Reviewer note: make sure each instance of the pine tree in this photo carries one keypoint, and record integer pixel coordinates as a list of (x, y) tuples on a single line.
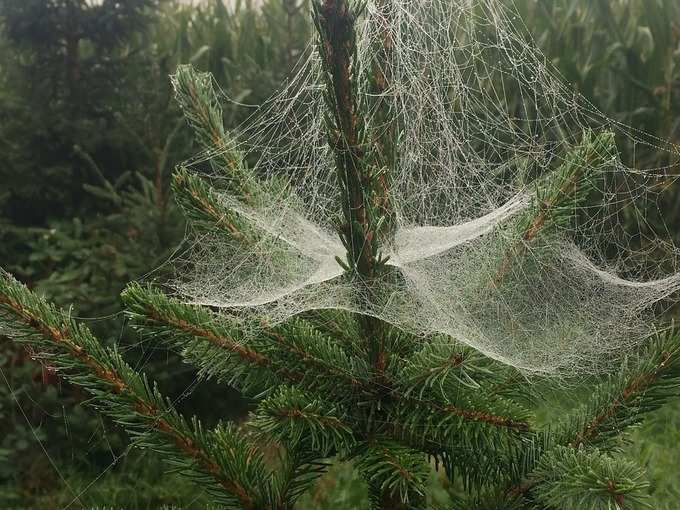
[(335, 385)]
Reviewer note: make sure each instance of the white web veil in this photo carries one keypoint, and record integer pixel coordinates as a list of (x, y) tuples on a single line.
[(482, 119)]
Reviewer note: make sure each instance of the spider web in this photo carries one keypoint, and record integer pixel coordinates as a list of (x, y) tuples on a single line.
[(482, 119)]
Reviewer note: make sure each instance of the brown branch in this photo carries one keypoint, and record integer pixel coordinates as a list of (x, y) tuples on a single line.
[(315, 362), (220, 219), (539, 222), (62, 337), (520, 489), (636, 386), (482, 416), (225, 342), (393, 461), (255, 358), (216, 137), (390, 500)]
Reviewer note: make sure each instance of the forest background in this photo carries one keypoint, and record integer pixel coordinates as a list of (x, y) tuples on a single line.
[(89, 136)]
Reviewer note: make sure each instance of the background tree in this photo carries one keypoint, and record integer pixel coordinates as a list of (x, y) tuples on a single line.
[(69, 60)]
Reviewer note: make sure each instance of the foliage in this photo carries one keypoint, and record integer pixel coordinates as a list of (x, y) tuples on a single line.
[(80, 245), (87, 204)]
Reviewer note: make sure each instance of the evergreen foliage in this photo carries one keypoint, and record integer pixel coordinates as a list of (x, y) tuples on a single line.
[(85, 206), (331, 385)]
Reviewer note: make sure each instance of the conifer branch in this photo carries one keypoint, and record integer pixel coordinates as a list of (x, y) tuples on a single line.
[(300, 469), (473, 443), (485, 417), (623, 400), (443, 367), (356, 387), (470, 409), (205, 340), (294, 351), (300, 420), (313, 349), (446, 383), (558, 195), (589, 480), (565, 477), (201, 203), (396, 474), (217, 458), (291, 351), (316, 363), (476, 456), (210, 211), (196, 96), (446, 421), (337, 324), (620, 402), (330, 359), (360, 183)]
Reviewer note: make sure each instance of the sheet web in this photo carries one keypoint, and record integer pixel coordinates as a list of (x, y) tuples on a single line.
[(484, 124)]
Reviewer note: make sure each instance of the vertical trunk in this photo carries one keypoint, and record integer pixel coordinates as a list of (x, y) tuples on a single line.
[(358, 183), (73, 60), (72, 42)]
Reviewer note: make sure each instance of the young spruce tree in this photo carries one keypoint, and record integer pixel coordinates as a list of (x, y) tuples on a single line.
[(335, 385)]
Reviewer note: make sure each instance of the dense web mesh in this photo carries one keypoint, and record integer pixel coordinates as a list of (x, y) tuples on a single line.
[(483, 122)]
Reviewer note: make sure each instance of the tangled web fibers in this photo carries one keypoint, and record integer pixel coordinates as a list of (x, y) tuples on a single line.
[(484, 252)]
